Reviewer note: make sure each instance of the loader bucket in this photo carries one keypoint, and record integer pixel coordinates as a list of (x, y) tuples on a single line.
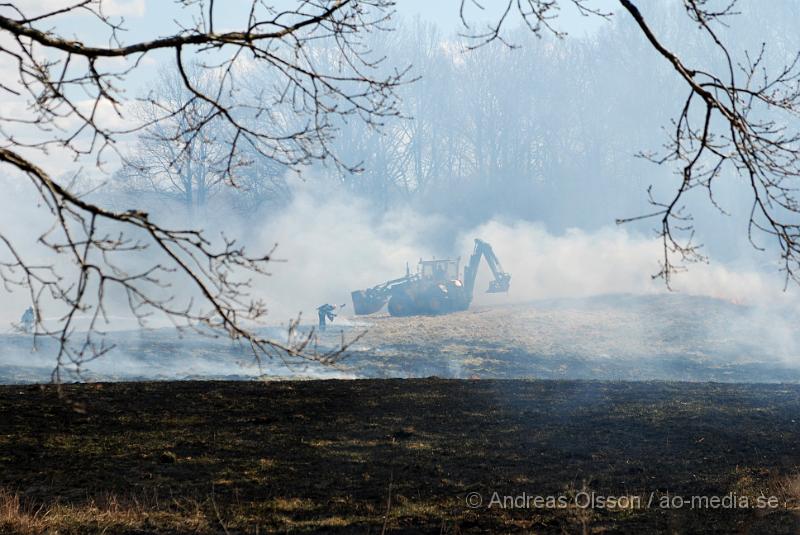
[(365, 302), (500, 285)]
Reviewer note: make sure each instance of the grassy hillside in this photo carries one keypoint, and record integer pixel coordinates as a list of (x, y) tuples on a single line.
[(621, 337)]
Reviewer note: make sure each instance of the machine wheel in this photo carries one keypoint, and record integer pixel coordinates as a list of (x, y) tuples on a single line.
[(438, 300), (401, 305), (459, 299), (436, 304)]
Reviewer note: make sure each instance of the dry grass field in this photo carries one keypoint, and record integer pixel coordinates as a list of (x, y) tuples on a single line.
[(621, 337)]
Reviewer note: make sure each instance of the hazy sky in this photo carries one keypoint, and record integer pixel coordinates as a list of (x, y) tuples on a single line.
[(150, 19)]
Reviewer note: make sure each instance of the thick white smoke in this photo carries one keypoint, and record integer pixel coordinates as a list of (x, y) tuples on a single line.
[(329, 244), (610, 260), (334, 244)]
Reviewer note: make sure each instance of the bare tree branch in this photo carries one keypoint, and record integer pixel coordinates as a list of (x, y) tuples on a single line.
[(100, 245), (747, 127)]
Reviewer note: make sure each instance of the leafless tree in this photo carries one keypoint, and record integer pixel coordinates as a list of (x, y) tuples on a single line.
[(738, 119), (189, 170), (68, 89), (741, 118)]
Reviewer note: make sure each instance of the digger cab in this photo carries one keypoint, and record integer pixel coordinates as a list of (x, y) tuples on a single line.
[(439, 270)]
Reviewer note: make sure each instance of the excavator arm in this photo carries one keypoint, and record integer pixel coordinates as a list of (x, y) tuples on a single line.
[(501, 281)]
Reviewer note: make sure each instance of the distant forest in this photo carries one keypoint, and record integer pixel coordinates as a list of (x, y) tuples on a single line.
[(546, 132)]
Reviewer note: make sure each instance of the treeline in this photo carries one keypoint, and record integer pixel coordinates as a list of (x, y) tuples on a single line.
[(550, 131), (546, 132)]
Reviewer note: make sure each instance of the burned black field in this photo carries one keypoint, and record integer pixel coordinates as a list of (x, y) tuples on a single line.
[(610, 415), (398, 456)]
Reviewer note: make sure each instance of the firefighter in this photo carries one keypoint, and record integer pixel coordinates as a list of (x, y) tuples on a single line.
[(27, 320), (325, 312)]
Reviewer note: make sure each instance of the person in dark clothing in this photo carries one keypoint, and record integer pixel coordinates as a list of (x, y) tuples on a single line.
[(325, 313), (27, 320)]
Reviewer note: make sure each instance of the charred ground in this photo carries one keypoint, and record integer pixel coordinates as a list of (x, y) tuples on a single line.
[(372, 456)]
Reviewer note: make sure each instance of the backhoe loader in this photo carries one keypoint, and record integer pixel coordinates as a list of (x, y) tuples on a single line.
[(435, 288)]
